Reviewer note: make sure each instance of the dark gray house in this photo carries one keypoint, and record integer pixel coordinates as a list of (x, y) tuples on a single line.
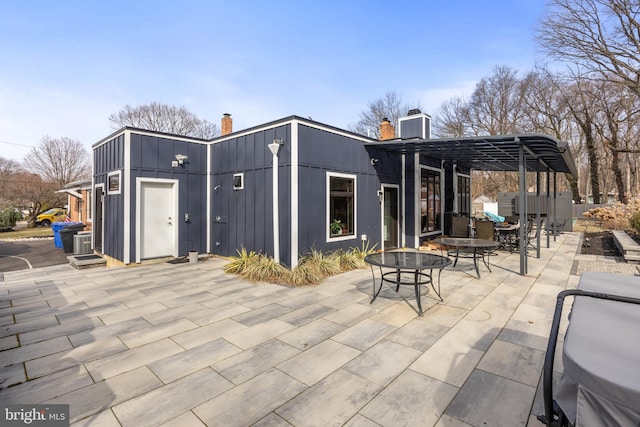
[(282, 188)]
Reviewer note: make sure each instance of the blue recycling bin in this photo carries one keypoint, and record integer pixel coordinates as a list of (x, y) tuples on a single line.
[(56, 227)]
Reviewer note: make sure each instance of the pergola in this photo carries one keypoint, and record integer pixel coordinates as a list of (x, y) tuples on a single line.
[(516, 153)]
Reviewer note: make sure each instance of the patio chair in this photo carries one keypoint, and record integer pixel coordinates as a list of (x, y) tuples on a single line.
[(486, 230), (512, 219), (557, 228), (532, 233), (459, 226)]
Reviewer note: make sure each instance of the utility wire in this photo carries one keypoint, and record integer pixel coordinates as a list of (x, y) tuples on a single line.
[(15, 143)]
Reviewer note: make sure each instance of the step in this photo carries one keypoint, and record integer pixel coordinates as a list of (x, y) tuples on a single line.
[(629, 248), (80, 262)]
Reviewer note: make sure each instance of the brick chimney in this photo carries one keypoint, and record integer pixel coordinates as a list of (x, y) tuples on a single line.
[(387, 131), (227, 124)]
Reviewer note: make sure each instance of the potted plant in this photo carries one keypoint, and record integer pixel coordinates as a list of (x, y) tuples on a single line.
[(336, 227)]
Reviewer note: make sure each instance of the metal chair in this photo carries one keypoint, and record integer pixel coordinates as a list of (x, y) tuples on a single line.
[(486, 230), (459, 226), (557, 228), (532, 233)]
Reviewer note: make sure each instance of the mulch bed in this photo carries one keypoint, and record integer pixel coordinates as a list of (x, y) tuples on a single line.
[(602, 243)]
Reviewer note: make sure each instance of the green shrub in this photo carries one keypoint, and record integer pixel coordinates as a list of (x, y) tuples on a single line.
[(634, 222), (8, 217)]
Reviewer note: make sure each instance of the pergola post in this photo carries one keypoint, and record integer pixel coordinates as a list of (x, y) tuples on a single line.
[(549, 204), (522, 185), (555, 190), (538, 220)]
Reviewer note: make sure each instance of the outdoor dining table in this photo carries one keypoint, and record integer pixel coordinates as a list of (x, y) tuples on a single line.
[(507, 236), (478, 246), (411, 262), (600, 384)]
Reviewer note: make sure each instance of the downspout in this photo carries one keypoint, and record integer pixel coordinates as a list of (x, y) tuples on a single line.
[(275, 147)]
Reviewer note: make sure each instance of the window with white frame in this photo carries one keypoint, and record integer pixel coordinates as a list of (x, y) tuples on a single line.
[(113, 182), (464, 194), (430, 200), (88, 204), (238, 181), (341, 205)]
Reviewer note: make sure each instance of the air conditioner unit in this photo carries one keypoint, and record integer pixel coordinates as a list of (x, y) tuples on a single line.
[(82, 244)]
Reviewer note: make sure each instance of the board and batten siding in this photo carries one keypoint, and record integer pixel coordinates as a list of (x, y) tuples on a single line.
[(151, 157), (108, 156), (244, 218), (323, 151)]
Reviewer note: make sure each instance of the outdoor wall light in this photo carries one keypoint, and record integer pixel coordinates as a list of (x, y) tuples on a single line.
[(181, 158), (374, 161), (275, 145)]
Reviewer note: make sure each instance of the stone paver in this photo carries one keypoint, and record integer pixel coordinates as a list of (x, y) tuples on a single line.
[(188, 345)]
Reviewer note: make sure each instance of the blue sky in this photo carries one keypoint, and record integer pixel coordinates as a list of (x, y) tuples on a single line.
[(65, 66)]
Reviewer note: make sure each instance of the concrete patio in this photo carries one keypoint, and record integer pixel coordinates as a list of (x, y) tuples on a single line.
[(188, 345)]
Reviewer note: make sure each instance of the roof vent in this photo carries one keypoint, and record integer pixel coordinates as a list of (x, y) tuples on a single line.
[(414, 111)]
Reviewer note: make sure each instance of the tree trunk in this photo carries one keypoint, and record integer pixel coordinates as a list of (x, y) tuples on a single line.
[(590, 144), (575, 191), (617, 171)]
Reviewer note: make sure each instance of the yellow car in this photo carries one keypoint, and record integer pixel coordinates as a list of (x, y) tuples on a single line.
[(46, 218)]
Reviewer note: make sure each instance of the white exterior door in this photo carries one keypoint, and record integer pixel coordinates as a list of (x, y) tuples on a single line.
[(157, 210)]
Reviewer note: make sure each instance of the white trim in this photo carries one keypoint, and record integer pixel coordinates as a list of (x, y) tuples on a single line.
[(111, 192), (455, 189), (126, 254), (382, 187), (71, 192), (89, 193), (419, 199), (176, 229), (403, 234), (291, 121), (417, 175), (93, 203), (425, 118), (159, 134), (276, 213), (341, 238), (294, 193), (209, 199), (241, 187)]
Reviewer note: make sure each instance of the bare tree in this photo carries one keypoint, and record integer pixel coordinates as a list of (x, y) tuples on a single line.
[(452, 119), (390, 106), (8, 169), (29, 190), (59, 161), (164, 118), (496, 106), (548, 112), (600, 36)]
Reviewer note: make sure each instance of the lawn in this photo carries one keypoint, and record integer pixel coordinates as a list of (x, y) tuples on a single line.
[(21, 232)]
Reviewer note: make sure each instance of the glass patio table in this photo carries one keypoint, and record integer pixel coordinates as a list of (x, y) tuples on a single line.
[(409, 262), (477, 245)]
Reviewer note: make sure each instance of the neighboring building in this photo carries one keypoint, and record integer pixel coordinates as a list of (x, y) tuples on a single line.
[(79, 202), (160, 195)]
